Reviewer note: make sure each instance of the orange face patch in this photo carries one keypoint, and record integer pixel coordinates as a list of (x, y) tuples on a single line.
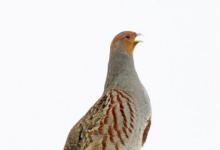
[(129, 47)]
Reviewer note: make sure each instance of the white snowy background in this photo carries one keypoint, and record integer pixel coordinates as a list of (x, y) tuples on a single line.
[(53, 63)]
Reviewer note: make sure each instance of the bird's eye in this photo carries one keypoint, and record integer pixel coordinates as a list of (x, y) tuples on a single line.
[(127, 37)]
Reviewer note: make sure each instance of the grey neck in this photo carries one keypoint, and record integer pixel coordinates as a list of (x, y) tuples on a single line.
[(121, 71)]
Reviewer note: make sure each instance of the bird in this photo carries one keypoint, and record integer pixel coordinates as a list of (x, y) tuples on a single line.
[(121, 118)]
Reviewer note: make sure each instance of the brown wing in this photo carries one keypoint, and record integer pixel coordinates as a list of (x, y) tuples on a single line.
[(111, 120), (146, 130)]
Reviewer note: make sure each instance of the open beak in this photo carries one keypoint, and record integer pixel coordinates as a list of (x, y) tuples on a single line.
[(136, 41)]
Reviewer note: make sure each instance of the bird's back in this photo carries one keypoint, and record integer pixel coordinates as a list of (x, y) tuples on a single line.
[(109, 125)]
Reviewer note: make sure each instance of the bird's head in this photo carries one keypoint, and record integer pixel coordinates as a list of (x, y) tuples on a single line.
[(125, 41)]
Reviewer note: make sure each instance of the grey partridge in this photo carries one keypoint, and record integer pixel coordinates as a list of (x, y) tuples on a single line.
[(121, 118)]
